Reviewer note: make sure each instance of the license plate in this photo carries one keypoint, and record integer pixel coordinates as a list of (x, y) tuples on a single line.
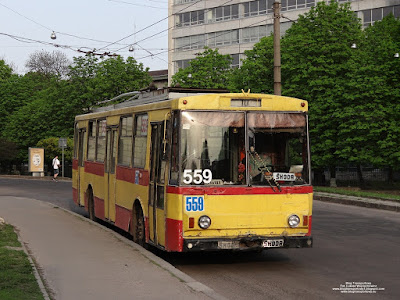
[(228, 244), (273, 243), (284, 176)]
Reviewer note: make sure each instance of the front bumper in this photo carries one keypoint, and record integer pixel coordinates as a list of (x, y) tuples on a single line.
[(245, 243)]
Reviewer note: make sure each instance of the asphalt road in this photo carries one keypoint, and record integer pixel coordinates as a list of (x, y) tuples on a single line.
[(351, 244)]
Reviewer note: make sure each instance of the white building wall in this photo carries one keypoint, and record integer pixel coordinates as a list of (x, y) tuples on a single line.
[(239, 24)]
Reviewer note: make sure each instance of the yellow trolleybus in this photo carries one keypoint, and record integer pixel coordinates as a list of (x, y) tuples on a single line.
[(184, 170)]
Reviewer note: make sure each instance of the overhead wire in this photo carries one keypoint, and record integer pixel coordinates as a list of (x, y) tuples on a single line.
[(222, 33), (41, 25), (142, 5), (135, 43), (79, 49), (151, 25)]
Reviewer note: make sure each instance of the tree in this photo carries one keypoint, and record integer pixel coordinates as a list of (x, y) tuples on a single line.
[(51, 148), (16, 91), (8, 153), (48, 63), (209, 69), (256, 72), (371, 133), (93, 80), (5, 71), (115, 76), (49, 113), (318, 65)]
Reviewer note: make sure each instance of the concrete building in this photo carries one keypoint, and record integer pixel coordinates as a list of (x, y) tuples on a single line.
[(234, 26), (160, 78)]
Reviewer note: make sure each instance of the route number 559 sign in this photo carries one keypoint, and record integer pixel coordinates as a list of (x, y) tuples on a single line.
[(197, 176)]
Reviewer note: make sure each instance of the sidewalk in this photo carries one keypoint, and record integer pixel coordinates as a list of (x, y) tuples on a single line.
[(358, 201), (80, 259)]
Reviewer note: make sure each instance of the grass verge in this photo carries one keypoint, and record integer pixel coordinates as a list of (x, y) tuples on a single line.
[(386, 195), (17, 280)]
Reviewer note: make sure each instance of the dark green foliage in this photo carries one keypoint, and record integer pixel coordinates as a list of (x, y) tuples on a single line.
[(35, 107), (353, 94), (94, 80), (209, 70), (256, 72), (317, 65), (5, 70), (51, 149)]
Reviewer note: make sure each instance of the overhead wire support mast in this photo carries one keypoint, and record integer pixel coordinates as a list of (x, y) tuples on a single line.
[(277, 50)]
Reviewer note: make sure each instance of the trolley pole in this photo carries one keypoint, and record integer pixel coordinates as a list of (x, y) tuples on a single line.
[(277, 49)]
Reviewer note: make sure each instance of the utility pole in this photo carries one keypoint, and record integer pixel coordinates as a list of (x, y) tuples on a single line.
[(277, 49)]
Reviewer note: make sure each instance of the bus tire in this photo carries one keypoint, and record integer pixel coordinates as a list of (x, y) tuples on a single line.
[(90, 198), (138, 226)]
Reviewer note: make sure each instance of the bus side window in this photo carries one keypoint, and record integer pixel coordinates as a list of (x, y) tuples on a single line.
[(174, 149), (140, 140), (91, 151), (125, 141), (101, 141)]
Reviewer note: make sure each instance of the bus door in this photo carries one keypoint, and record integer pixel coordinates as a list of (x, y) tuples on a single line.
[(157, 185), (110, 176), (81, 166)]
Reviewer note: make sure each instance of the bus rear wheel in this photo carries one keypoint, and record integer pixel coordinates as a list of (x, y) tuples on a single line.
[(90, 198), (138, 228)]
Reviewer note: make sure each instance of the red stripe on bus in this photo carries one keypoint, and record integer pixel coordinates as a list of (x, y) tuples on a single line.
[(231, 190), (309, 226), (99, 208), (75, 195), (95, 168), (75, 164), (133, 175), (122, 217), (173, 235)]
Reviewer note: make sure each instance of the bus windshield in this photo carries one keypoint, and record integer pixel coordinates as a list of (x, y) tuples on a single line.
[(213, 148), (211, 143), (278, 149)]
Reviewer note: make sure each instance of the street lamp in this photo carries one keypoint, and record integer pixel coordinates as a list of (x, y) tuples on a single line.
[(53, 35), (396, 55)]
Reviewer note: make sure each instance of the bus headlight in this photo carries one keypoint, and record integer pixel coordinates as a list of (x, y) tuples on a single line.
[(204, 222), (294, 221)]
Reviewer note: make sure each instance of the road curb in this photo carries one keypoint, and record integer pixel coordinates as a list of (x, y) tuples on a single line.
[(191, 283), (35, 270), (380, 204)]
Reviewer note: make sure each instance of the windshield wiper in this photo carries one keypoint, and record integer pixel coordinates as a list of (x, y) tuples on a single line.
[(264, 169)]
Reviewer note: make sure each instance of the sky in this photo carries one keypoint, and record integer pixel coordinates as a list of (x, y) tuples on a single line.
[(105, 25)]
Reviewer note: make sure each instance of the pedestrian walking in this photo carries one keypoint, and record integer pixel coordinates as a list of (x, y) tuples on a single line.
[(56, 166)]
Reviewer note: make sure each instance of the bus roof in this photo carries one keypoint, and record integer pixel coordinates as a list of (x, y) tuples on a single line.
[(203, 99)]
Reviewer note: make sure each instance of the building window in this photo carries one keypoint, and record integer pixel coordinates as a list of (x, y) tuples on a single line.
[(254, 34), (235, 60), (190, 18), (223, 13), (190, 42), (370, 16), (183, 1), (125, 141), (182, 64), (140, 140), (101, 141), (296, 4), (221, 38)]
